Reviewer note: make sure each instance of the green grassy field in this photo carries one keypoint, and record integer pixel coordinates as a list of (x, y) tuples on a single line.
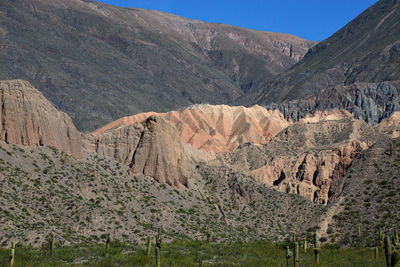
[(183, 253)]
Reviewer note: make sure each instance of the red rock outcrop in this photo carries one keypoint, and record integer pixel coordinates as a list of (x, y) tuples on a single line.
[(29, 119), (309, 175), (216, 128)]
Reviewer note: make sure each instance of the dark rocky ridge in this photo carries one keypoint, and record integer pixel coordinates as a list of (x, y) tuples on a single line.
[(371, 102), (99, 62)]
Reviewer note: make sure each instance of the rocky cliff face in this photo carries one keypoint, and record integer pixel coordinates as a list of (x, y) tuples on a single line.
[(371, 102), (216, 128), (305, 159), (152, 148), (29, 119)]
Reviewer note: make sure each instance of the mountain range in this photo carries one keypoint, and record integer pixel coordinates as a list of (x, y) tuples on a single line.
[(145, 172), (356, 69), (120, 120), (99, 62)]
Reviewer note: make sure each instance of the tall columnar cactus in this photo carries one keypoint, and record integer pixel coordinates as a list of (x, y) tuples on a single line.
[(395, 259), (392, 256), (296, 255), (381, 237), (208, 236), (388, 251), (51, 243), (148, 250), (108, 241), (376, 252), (294, 237), (158, 238), (158, 257), (359, 231), (288, 255), (396, 239), (317, 249), (12, 254), (305, 244)]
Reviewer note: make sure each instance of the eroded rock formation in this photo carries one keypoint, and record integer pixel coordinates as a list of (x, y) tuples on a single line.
[(216, 128), (305, 159), (152, 148), (371, 102), (309, 175), (29, 119)]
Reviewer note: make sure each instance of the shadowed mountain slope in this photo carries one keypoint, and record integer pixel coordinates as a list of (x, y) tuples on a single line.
[(99, 62), (367, 197)]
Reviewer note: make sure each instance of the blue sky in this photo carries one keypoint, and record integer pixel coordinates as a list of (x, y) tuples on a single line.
[(309, 19)]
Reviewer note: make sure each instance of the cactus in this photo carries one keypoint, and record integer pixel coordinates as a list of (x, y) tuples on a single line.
[(12, 254), (395, 258), (359, 231), (388, 251), (305, 244), (51, 243), (158, 257), (396, 239), (294, 237), (381, 237), (317, 250), (158, 238), (108, 241), (288, 255), (148, 250), (296, 255), (208, 236), (376, 252)]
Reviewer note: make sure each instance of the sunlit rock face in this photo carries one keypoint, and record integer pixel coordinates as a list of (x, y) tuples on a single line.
[(29, 119), (216, 128)]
